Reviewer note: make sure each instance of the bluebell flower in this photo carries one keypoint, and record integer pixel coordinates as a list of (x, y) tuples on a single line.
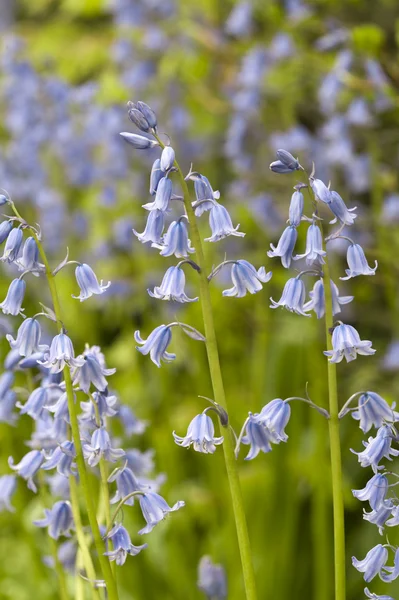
[(28, 338), (5, 229), (172, 287), (156, 344), (28, 466), (67, 552), (147, 113), (317, 300), (167, 158), (321, 191), (375, 596), (6, 381), (392, 572), (379, 516), (131, 424), (296, 208), (156, 176), (12, 359), (33, 361), (293, 297), (8, 485), (275, 416), (212, 579), (163, 196), (314, 247), (126, 483), (122, 545), (153, 229), (338, 207), (204, 194), (239, 24), (246, 278), (88, 282), (346, 343), (373, 410), (105, 408), (357, 263), (59, 520), (375, 491), (372, 564), (285, 246), (200, 434), (221, 224), (12, 246), (175, 240), (59, 486), (141, 463), (62, 458), (257, 436), (286, 163), (155, 509), (61, 354), (12, 303), (377, 448), (29, 261), (91, 372), (394, 521), (35, 404), (7, 405), (100, 447), (138, 141), (59, 406)]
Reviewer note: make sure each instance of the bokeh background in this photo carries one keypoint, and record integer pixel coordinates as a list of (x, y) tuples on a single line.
[(231, 83)]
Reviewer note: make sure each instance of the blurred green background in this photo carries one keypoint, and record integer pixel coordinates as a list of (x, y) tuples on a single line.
[(319, 79)]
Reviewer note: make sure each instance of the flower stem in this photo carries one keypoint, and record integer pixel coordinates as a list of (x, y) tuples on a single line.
[(219, 396), (73, 415), (335, 450)]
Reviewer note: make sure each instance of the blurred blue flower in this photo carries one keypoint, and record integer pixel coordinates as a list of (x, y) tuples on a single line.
[(285, 246), (8, 484), (59, 520), (12, 303), (155, 509), (172, 287), (201, 434), (156, 344), (374, 491), (35, 404), (293, 297), (373, 410), (357, 263), (122, 545), (346, 343), (88, 282), (28, 466), (212, 579), (239, 21)]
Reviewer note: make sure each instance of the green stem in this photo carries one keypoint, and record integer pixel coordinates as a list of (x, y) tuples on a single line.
[(73, 415), (219, 395), (335, 450), (63, 591)]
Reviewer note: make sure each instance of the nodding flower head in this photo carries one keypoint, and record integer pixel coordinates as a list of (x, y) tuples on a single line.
[(8, 484), (172, 287), (12, 246), (5, 229), (285, 246), (88, 282), (100, 447), (156, 176), (338, 207), (92, 372), (12, 303), (221, 224), (377, 448), (296, 208), (375, 491), (293, 297), (286, 163), (200, 434), (163, 196), (61, 354), (153, 229), (380, 516), (204, 194), (126, 483), (376, 596), (372, 564), (156, 344), (212, 579), (321, 191), (62, 458), (347, 344), (121, 544), (257, 437), (373, 411), (317, 300), (275, 416), (35, 404), (28, 338), (246, 278), (314, 247), (59, 520), (155, 509), (175, 240), (29, 261), (357, 263), (28, 466)]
